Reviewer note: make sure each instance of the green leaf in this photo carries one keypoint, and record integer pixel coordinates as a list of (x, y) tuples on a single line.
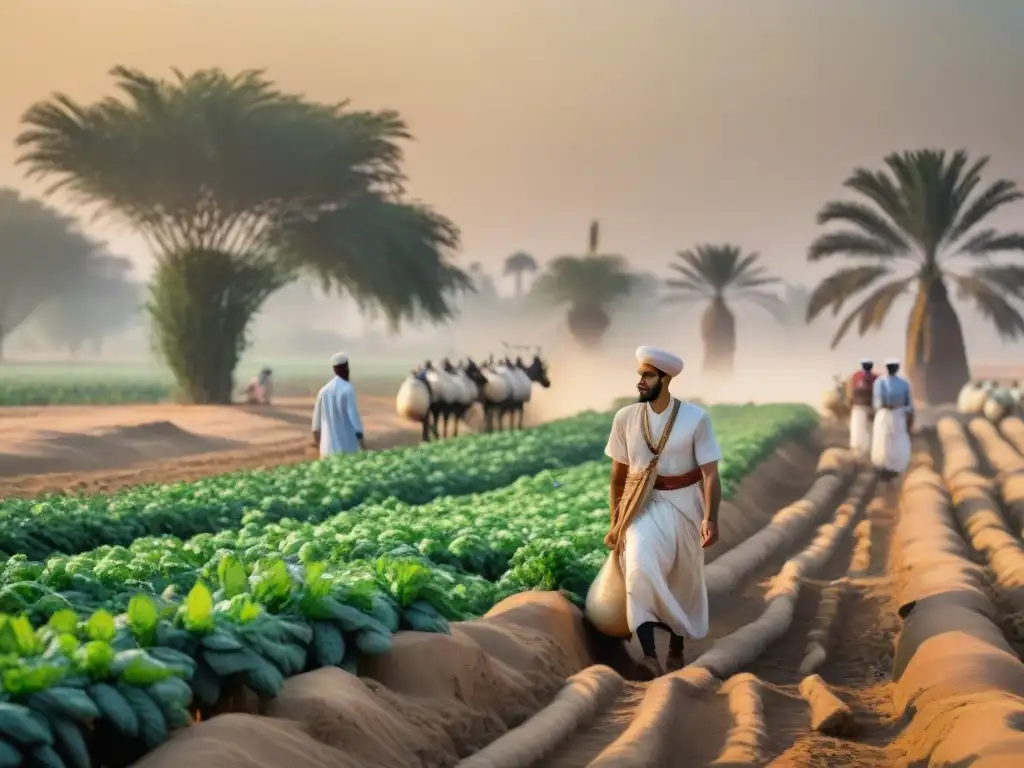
[(232, 575), (31, 678), (95, 657), (100, 626), (64, 621), (64, 643), (24, 636), (199, 609), (142, 615), (136, 667)]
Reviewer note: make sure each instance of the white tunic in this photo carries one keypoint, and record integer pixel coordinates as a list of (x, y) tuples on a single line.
[(336, 417), (663, 559), (890, 443), (860, 430)]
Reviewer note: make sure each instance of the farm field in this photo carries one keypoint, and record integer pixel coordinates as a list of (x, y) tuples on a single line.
[(83, 383), (283, 616)]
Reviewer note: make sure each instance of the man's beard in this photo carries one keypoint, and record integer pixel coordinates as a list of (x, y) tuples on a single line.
[(651, 394)]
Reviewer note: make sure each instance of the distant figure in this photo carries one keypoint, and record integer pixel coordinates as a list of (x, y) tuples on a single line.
[(337, 427), (261, 388), (894, 419), (860, 395)]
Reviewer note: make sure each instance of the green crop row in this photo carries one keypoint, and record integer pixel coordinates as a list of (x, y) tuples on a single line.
[(22, 393), (492, 535), (309, 491), (289, 596)]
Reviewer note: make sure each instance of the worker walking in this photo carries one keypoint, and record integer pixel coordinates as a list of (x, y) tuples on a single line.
[(337, 427)]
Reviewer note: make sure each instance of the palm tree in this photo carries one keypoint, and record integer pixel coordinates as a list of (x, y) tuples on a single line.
[(589, 285), (921, 210), (713, 273), (42, 252), (239, 188), (517, 265)]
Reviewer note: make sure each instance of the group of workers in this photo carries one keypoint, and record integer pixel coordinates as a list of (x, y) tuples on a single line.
[(881, 417)]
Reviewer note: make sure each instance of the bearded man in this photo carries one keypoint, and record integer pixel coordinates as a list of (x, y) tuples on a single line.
[(665, 494)]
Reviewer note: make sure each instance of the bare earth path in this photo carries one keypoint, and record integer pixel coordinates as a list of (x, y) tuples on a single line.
[(102, 448)]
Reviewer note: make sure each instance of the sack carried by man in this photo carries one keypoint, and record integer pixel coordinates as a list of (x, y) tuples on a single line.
[(606, 598)]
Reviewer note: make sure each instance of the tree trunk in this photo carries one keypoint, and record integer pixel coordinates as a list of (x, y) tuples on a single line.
[(588, 323), (718, 330), (519, 283), (936, 363), (201, 303)]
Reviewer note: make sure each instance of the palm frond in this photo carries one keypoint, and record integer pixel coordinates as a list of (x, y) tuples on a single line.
[(866, 220), (840, 286), (992, 305), (714, 270), (849, 243), (1004, 278), (878, 188), (871, 312), (988, 242), (998, 194)]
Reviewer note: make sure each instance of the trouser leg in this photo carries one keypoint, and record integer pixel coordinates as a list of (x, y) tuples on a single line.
[(645, 635)]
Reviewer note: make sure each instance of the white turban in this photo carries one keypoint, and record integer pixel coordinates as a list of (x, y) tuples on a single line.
[(339, 358), (892, 361), (866, 361), (660, 359)]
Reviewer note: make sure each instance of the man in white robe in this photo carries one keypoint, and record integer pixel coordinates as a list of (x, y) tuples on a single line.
[(662, 552), (859, 394), (894, 418), (337, 427)]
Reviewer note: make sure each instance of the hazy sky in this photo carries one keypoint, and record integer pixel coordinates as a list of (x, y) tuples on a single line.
[(672, 121)]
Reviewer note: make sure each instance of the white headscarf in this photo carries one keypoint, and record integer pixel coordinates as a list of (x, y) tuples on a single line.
[(339, 358), (665, 362)]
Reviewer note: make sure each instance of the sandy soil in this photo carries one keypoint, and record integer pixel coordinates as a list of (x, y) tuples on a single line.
[(99, 448)]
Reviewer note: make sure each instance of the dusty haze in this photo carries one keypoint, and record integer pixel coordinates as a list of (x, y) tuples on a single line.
[(673, 122)]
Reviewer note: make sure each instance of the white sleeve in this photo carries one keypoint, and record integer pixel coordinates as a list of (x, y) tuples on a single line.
[(317, 410), (353, 411), (616, 448), (705, 445)]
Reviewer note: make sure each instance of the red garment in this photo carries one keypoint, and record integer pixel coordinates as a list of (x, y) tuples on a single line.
[(862, 386)]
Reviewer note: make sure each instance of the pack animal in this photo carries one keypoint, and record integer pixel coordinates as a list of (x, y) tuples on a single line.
[(505, 387), (436, 397)]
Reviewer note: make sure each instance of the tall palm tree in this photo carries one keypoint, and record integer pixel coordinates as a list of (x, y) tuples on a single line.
[(923, 210), (714, 273), (589, 285), (239, 188), (517, 265)]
